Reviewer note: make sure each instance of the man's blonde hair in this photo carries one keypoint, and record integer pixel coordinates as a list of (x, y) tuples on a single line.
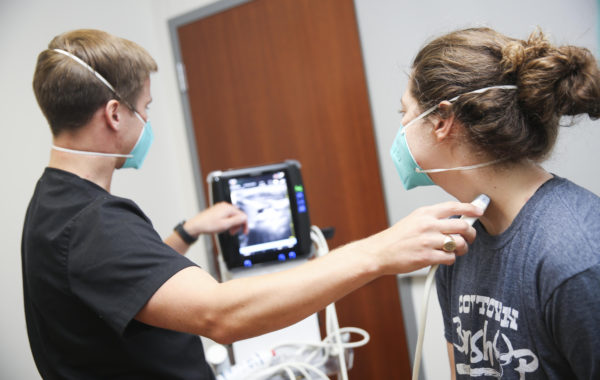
[(69, 94)]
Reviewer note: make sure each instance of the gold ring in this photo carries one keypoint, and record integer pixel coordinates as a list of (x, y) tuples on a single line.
[(449, 244)]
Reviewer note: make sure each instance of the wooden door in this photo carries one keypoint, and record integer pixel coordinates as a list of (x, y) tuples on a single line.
[(271, 80)]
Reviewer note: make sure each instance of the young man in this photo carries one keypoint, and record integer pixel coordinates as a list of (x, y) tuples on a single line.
[(104, 296)]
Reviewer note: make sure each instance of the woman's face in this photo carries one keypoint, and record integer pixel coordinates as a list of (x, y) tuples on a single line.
[(419, 134), (409, 107)]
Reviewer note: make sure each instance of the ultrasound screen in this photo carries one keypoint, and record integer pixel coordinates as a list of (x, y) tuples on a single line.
[(266, 202)]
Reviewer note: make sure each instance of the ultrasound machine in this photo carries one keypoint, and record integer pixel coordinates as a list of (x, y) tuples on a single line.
[(279, 237), (273, 198)]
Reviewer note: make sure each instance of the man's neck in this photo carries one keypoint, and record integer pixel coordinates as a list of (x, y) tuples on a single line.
[(95, 169)]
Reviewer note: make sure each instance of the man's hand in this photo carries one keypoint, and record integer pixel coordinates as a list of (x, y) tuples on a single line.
[(416, 241), (218, 218)]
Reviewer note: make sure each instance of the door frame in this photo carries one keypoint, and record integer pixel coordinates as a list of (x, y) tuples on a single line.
[(174, 24)]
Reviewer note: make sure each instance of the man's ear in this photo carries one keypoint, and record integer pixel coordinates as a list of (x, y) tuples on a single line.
[(444, 124), (111, 114)]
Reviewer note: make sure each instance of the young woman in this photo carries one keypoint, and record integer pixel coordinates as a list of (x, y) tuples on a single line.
[(481, 111)]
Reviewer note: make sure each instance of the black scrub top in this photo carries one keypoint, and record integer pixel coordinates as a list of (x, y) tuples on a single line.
[(90, 262)]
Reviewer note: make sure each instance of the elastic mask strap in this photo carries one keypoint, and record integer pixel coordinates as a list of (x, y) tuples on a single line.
[(82, 63), (403, 130), (479, 91), (96, 74), (140, 118), (477, 166), (86, 153), (500, 87)]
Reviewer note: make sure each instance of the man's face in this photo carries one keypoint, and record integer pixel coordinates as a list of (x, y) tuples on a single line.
[(144, 100), (135, 120)]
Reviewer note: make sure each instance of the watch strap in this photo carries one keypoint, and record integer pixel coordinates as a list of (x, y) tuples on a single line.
[(185, 236)]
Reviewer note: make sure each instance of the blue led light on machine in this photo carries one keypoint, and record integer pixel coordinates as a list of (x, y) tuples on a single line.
[(300, 201)]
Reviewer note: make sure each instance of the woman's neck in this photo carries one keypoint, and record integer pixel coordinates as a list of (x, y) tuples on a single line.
[(508, 188)]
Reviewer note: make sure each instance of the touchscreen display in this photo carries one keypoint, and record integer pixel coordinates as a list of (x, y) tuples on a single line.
[(266, 202)]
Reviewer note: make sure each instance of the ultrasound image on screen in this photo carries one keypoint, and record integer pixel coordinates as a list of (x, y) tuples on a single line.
[(265, 200)]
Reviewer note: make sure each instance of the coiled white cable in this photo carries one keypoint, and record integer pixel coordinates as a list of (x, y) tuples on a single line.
[(309, 358), (331, 320), (423, 321)]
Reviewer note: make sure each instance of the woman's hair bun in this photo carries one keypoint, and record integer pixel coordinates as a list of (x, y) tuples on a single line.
[(516, 53), (552, 81), (578, 89), (513, 56)]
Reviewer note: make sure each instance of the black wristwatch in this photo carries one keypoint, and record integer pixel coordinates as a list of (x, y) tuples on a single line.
[(189, 239)]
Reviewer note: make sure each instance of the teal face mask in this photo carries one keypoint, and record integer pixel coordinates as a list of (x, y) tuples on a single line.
[(406, 165), (138, 154)]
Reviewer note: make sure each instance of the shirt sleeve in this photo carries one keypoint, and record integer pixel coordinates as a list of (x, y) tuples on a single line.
[(117, 261), (572, 315), (441, 285)]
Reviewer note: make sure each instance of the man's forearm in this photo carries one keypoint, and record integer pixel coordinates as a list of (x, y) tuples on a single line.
[(256, 305)]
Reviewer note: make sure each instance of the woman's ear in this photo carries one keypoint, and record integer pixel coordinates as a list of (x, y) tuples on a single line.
[(111, 114), (443, 125)]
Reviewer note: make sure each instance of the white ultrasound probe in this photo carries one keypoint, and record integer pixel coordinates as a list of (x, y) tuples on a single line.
[(482, 201)]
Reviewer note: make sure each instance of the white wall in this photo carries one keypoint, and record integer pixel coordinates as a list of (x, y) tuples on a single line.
[(391, 32)]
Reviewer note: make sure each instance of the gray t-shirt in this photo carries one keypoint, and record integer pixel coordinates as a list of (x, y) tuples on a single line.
[(524, 304)]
